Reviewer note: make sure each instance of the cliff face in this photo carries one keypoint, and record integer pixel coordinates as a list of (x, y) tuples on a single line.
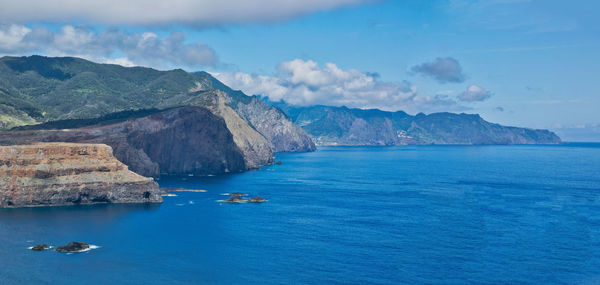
[(448, 128), (48, 174), (343, 126), (271, 122), (275, 126), (256, 148), (40, 89), (178, 141)]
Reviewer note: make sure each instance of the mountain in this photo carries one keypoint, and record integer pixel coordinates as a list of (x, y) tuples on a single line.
[(270, 121), (180, 141), (344, 126), (39, 89)]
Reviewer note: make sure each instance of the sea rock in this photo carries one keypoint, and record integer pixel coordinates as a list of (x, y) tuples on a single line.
[(233, 199), (236, 197), (256, 199), (40, 247), (73, 246), (48, 174)]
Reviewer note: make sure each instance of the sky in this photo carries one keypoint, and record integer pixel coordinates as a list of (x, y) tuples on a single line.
[(528, 63)]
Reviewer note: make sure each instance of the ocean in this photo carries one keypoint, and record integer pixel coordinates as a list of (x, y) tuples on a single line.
[(341, 215)]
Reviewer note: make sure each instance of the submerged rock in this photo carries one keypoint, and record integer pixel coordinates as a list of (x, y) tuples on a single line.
[(236, 197), (40, 247), (256, 199), (233, 199), (73, 246), (166, 190)]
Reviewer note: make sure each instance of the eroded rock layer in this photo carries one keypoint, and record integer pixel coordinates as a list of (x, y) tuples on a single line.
[(48, 174), (185, 141)]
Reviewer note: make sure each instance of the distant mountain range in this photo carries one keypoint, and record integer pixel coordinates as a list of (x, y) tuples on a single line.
[(72, 99), (344, 126)]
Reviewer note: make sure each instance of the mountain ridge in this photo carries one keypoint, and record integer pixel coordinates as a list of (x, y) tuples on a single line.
[(38, 89), (351, 126)]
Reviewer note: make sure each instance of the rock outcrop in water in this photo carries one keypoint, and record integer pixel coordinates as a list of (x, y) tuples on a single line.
[(179, 141), (74, 246), (236, 197), (49, 174), (40, 247)]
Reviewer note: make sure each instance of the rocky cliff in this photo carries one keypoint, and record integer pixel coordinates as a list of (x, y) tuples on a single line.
[(271, 122), (64, 174), (38, 89), (344, 126), (178, 141)]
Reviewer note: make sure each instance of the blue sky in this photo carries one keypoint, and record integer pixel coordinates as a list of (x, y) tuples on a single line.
[(531, 63)]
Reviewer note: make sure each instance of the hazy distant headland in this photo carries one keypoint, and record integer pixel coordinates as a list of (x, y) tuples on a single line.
[(345, 126)]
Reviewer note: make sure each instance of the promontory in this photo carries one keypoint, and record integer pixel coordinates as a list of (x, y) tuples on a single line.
[(50, 174)]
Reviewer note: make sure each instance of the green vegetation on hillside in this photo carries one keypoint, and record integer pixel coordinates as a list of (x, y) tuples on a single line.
[(40, 89), (344, 126)]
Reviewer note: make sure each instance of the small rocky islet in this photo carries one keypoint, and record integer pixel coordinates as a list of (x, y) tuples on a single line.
[(40, 247), (237, 197), (74, 246)]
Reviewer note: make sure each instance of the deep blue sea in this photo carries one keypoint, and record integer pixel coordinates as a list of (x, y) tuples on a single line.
[(341, 215)]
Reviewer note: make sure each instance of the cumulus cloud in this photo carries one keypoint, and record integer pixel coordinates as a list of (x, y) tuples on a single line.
[(443, 70), (151, 12), (111, 46), (474, 93), (301, 82)]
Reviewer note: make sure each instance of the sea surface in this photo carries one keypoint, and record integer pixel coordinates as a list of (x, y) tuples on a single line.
[(341, 215)]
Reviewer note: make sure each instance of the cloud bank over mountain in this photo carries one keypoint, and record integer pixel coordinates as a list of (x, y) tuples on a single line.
[(305, 82), (157, 12), (109, 46)]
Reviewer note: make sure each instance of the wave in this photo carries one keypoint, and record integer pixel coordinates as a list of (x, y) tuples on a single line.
[(92, 247)]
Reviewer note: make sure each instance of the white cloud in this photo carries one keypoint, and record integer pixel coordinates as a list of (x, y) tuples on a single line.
[(111, 46), (474, 93), (150, 12), (300, 82), (123, 61), (12, 35)]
